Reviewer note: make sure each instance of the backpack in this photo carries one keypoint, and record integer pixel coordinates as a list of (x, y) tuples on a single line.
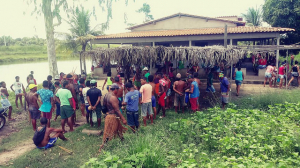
[(39, 136)]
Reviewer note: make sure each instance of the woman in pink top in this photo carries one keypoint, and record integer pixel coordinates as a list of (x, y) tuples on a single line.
[(268, 74), (281, 72)]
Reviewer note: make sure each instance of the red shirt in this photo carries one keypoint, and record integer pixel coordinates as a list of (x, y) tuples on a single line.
[(281, 70), (262, 62)]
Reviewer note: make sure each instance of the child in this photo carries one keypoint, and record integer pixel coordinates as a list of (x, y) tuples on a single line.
[(57, 103), (18, 86)]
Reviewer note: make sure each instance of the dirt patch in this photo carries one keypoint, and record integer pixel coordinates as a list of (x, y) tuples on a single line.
[(6, 156)]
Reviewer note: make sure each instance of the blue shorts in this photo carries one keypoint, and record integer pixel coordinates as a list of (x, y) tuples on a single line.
[(238, 82), (87, 108), (268, 75), (57, 108), (132, 118), (153, 100), (50, 143)]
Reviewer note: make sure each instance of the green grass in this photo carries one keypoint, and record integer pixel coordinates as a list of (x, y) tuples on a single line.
[(154, 145)]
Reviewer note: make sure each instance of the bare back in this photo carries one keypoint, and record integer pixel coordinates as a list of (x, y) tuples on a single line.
[(153, 88), (120, 91), (32, 100), (180, 86), (71, 88), (46, 137)]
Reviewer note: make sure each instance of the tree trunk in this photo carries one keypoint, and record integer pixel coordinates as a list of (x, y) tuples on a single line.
[(48, 18)]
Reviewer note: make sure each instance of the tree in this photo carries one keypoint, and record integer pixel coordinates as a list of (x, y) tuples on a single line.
[(284, 13), (253, 16), (51, 10), (146, 10)]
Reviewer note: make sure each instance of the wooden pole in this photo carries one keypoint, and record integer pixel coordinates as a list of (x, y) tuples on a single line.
[(84, 64), (225, 36), (286, 70), (151, 59), (277, 52)]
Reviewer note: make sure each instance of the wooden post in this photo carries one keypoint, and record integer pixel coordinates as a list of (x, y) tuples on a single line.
[(230, 41), (277, 52), (225, 36), (286, 70), (80, 63), (190, 43), (151, 60), (108, 45), (84, 65)]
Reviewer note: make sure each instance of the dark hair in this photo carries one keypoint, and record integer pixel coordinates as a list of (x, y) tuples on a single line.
[(43, 120), (45, 83), (171, 64), (31, 75), (61, 73), (81, 80), (109, 73), (49, 77), (128, 85), (69, 76), (1, 83), (150, 78), (117, 79), (239, 68), (56, 83), (195, 75), (144, 78), (93, 84), (296, 62), (65, 83), (88, 83), (17, 77)]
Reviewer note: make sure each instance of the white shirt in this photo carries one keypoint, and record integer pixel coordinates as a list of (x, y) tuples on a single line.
[(18, 85), (84, 91)]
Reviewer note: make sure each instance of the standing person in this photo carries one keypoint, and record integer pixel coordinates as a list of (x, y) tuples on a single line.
[(168, 92), (146, 92), (282, 73), (295, 73), (93, 96), (178, 88), (137, 78), (210, 86), (194, 94), (66, 106), (30, 80), (57, 103), (42, 138), (153, 99), (225, 88), (292, 59), (120, 70), (51, 86), (108, 81), (81, 99), (4, 99), (199, 84), (112, 125), (120, 91), (239, 77), (61, 78), (84, 92), (47, 101), (161, 95), (71, 87), (132, 106), (18, 86), (146, 73), (33, 107), (268, 74)]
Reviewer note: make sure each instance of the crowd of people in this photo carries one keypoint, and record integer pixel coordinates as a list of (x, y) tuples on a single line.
[(146, 95)]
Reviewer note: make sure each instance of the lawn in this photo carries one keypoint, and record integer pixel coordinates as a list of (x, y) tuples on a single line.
[(257, 131)]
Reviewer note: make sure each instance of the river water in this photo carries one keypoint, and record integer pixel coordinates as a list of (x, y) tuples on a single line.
[(40, 69)]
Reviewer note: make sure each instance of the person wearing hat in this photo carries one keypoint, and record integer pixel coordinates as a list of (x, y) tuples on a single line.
[(64, 96), (33, 107), (47, 101), (178, 88), (93, 96), (113, 126), (225, 88), (282, 73), (145, 70)]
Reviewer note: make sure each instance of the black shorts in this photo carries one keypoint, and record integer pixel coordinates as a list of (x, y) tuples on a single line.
[(122, 75), (34, 113)]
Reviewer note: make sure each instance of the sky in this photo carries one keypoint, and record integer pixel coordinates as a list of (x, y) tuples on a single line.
[(17, 20)]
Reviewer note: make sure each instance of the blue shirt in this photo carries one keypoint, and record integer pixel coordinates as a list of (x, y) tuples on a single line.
[(196, 92), (132, 100), (224, 84), (45, 95)]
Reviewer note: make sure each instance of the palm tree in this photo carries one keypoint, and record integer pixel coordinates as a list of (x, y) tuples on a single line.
[(253, 16)]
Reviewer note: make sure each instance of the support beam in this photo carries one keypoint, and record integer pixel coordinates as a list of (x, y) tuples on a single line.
[(225, 36), (84, 64), (230, 41), (277, 52), (153, 44), (190, 43), (108, 45), (80, 60)]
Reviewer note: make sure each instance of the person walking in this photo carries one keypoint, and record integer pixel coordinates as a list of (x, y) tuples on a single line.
[(239, 77), (295, 73)]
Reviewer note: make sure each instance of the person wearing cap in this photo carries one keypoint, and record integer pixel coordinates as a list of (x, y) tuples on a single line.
[(132, 98), (64, 97), (146, 107), (145, 70), (33, 107), (93, 97), (282, 73), (4, 99), (178, 88), (71, 87), (120, 91), (113, 126), (225, 88), (47, 101)]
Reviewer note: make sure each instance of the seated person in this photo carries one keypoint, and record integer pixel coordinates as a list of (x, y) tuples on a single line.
[(42, 138), (262, 63)]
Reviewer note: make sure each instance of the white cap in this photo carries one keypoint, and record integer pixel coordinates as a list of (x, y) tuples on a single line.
[(145, 69)]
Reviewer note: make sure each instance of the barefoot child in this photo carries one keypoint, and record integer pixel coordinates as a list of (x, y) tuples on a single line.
[(18, 87)]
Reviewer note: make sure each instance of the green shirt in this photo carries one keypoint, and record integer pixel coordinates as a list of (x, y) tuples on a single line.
[(146, 76), (64, 95)]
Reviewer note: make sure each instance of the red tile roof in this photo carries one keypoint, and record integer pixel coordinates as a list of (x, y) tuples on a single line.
[(193, 32)]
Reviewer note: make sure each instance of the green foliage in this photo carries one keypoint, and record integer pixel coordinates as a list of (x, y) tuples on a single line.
[(284, 13), (253, 16), (146, 10)]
